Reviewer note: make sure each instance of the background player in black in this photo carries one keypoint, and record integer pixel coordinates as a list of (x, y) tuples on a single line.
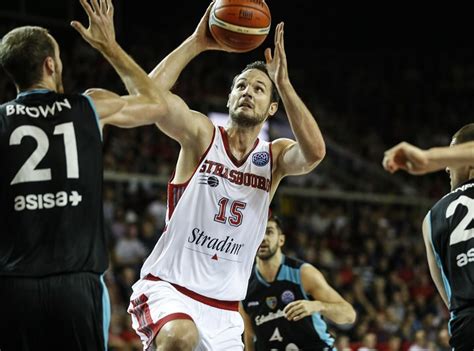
[(52, 243), (448, 231), (287, 300)]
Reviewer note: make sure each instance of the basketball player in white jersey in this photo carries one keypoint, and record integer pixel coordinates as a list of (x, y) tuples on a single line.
[(218, 201)]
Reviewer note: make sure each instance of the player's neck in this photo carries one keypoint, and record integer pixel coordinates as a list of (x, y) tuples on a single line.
[(268, 269), (241, 139), (43, 85)]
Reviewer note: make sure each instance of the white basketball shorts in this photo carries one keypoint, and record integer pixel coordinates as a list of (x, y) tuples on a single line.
[(155, 302)]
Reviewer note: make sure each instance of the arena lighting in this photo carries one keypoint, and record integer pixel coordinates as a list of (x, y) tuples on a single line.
[(220, 119)]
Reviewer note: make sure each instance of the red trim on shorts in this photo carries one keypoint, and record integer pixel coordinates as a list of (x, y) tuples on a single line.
[(171, 317), (222, 304), (141, 311), (236, 162), (146, 326), (175, 191)]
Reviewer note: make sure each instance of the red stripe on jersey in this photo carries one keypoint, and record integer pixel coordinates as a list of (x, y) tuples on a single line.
[(222, 304), (175, 191), (174, 194), (271, 166)]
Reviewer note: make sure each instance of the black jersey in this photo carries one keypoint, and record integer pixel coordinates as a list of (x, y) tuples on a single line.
[(265, 302), (451, 222), (50, 186)]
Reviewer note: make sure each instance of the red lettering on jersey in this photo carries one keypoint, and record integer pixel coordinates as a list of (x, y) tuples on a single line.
[(234, 176)]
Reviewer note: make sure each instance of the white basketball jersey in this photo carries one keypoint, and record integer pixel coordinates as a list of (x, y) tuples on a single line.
[(215, 222)]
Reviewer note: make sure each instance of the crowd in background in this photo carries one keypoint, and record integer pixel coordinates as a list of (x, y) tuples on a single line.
[(371, 253)]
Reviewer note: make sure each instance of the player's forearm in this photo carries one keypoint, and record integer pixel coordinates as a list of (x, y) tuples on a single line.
[(303, 124), (338, 312), (166, 73), (248, 342), (132, 75), (453, 156)]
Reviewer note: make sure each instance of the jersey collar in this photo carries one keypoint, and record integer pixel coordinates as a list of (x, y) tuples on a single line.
[(33, 91)]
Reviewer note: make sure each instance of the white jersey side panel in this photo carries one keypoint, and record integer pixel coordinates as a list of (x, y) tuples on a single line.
[(214, 230)]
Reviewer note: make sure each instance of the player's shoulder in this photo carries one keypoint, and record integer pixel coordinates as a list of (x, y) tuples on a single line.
[(293, 262), (98, 94), (7, 103), (74, 98), (63, 99), (280, 144), (466, 189)]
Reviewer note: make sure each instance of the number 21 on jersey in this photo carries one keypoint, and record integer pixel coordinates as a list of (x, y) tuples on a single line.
[(29, 171), (461, 233)]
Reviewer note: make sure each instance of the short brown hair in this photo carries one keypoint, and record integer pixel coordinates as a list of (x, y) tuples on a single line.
[(22, 53), (261, 66), (274, 218)]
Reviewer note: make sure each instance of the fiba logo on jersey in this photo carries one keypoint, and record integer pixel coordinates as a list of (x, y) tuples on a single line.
[(287, 296), (260, 159)]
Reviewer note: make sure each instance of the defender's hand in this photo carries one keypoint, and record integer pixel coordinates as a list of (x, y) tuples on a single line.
[(406, 157), (101, 31), (299, 309)]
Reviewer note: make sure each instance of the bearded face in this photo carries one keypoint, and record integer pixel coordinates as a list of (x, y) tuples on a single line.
[(250, 99), (272, 241)]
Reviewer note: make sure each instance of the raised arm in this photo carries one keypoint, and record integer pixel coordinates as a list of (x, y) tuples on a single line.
[(304, 154), (182, 124), (249, 333), (166, 73), (148, 103), (407, 157), (432, 262), (327, 301)]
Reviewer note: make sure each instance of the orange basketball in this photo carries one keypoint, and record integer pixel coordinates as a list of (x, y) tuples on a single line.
[(241, 25)]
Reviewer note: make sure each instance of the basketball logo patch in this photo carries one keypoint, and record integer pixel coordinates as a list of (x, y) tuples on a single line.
[(287, 296), (212, 181), (260, 158)]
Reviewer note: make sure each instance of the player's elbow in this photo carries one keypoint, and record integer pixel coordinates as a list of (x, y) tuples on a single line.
[(350, 316), (320, 152), (316, 155), (346, 316)]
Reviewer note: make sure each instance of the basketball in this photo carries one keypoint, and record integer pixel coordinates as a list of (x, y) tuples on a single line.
[(240, 25)]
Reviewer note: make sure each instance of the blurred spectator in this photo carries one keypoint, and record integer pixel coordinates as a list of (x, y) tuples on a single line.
[(443, 340), (420, 343), (369, 343), (129, 249), (342, 343)]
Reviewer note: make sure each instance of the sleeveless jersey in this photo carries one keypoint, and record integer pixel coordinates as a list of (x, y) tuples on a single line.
[(50, 186), (265, 303), (451, 222), (215, 222)]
